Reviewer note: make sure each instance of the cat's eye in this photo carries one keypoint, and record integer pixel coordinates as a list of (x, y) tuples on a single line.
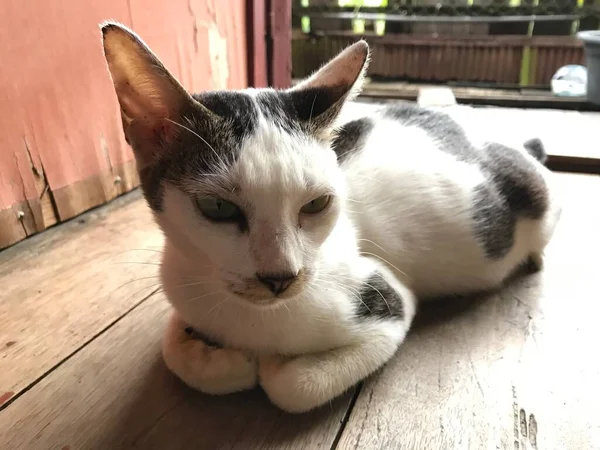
[(218, 209), (317, 205)]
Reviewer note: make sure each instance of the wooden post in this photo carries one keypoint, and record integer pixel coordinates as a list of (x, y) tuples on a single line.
[(279, 43), (256, 14)]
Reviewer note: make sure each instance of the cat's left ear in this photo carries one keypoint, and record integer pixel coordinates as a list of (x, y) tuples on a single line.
[(319, 98), (152, 101)]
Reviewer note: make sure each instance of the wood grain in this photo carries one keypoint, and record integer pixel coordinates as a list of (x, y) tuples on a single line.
[(61, 288), (514, 370), (117, 394)]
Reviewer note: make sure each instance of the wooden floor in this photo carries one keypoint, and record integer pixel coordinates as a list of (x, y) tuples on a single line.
[(80, 364)]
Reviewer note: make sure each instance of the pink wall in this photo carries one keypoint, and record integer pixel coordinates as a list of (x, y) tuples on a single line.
[(62, 149)]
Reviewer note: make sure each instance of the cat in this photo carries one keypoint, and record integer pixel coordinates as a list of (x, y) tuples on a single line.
[(300, 245)]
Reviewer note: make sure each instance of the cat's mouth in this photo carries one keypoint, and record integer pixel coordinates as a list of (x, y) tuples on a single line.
[(259, 293)]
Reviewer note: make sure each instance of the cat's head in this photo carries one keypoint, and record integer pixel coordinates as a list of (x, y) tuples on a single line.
[(243, 183)]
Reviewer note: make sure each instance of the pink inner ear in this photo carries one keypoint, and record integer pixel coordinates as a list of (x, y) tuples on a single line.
[(343, 70), (151, 138), (137, 106)]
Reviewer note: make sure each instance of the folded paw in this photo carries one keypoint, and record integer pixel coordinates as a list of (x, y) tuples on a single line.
[(206, 368), (293, 385)]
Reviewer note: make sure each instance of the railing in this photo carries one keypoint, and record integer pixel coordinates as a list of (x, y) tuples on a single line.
[(468, 41)]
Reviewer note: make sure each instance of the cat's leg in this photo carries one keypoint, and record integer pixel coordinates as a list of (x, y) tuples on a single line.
[(203, 367), (304, 382)]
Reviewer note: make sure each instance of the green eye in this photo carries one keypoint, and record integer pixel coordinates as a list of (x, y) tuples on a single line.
[(317, 205), (218, 210)]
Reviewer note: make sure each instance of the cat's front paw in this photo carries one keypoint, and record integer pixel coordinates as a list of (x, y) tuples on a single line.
[(206, 368), (290, 384), (212, 370)]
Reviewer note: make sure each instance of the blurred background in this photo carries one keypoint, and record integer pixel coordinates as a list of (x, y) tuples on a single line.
[(486, 43), (63, 152)]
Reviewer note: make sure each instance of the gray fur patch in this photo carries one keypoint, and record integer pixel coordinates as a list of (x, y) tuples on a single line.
[(517, 180), (351, 137), (535, 148), (514, 188), (308, 110), (190, 157), (379, 300), (494, 222), (439, 126)]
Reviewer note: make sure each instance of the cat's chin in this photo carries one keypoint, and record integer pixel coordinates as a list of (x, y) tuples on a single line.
[(262, 301)]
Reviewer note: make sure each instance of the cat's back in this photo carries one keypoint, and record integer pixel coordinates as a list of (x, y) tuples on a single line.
[(446, 208)]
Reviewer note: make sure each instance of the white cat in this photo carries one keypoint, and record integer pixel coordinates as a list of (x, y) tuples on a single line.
[(277, 224)]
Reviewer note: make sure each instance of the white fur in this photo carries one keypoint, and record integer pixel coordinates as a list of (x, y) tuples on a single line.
[(413, 203), (400, 201), (408, 202), (201, 258)]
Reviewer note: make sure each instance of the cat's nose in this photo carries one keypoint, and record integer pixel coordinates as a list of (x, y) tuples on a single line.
[(277, 283)]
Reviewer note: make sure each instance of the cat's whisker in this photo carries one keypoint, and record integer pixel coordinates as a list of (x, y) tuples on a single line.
[(387, 262), (138, 262), (375, 244), (193, 299), (217, 306), (345, 290), (140, 250), (311, 109), (355, 201), (156, 288), (382, 297), (199, 137), (132, 281), (198, 283)]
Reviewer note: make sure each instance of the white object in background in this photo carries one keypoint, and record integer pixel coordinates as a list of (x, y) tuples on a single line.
[(570, 81), (436, 96)]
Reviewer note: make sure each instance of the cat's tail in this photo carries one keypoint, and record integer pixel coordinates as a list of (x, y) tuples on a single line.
[(535, 148)]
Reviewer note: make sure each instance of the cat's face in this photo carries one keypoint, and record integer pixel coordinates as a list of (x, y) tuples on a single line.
[(259, 217), (244, 184)]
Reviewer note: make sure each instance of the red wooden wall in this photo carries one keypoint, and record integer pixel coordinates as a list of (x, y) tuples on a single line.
[(61, 146)]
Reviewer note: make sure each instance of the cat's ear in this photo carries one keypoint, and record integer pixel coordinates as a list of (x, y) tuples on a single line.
[(151, 99), (319, 98)]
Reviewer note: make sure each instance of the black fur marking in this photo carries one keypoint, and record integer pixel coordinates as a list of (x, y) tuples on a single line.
[(278, 109), (379, 300), (351, 138), (439, 126), (494, 222), (307, 110), (189, 157), (535, 148), (517, 180), (514, 188), (312, 103)]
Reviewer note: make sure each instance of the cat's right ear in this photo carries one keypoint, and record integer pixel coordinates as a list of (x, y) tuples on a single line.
[(152, 101), (319, 98)]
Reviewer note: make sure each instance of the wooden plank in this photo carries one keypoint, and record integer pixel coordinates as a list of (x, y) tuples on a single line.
[(480, 96), (117, 394), (61, 288), (513, 370), (94, 191)]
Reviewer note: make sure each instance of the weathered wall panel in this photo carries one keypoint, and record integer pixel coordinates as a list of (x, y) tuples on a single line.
[(61, 145)]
